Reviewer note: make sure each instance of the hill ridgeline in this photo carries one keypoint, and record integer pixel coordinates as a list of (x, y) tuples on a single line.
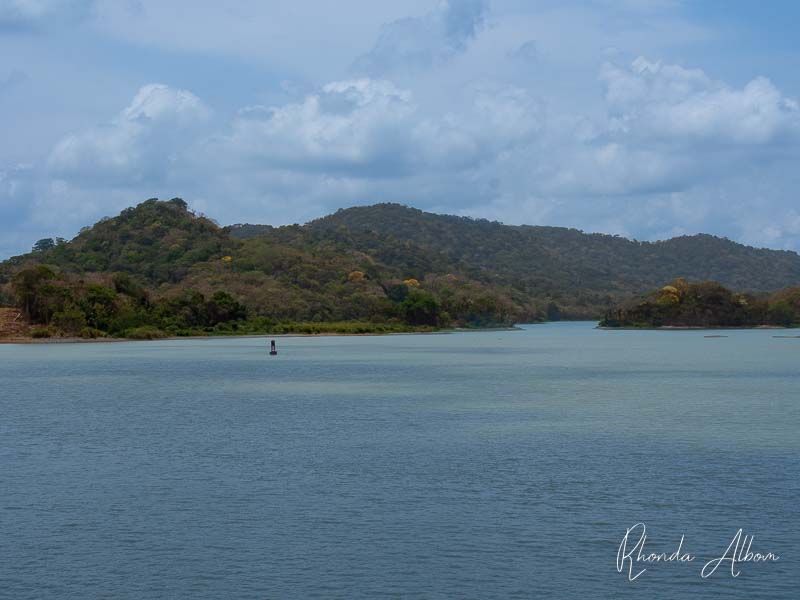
[(160, 267)]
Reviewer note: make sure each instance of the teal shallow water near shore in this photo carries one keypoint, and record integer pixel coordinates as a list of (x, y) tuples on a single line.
[(502, 464)]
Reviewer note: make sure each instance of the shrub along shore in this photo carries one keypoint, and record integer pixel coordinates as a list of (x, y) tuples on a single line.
[(285, 330)]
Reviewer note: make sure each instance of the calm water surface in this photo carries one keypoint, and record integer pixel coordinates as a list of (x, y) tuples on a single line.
[(472, 465)]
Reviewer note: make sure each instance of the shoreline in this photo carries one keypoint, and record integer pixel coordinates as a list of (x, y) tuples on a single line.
[(692, 328), (107, 340)]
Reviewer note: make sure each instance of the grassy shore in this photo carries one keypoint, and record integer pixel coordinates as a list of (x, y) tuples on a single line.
[(39, 335), (308, 330)]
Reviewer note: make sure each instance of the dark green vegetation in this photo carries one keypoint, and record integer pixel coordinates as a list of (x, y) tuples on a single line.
[(707, 304), (159, 269)]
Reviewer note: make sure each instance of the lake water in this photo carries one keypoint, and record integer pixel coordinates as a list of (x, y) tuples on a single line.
[(471, 465)]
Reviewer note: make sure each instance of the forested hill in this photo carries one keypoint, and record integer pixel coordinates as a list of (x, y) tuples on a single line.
[(160, 265), (556, 262)]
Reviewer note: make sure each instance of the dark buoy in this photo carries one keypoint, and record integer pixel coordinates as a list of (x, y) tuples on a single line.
[(272, 350)]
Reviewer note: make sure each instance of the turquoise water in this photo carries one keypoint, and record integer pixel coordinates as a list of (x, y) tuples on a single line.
[(472, 465)]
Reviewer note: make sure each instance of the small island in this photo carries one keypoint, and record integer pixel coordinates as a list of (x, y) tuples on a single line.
[(706, 305)]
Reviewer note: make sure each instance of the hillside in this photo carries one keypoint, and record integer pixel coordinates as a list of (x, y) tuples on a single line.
[(159, 241), (568, 256), (576, 270), (160, 265)]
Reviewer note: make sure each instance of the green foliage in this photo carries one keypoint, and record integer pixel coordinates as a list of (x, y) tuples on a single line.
[(35, 294), (420, 308), (706, 304), (126, 284), (190, 309), (71, 306), (158, 241), (100, 305), (71, 320), (223, 308), (784, 307), (346, 327), (396, 292), (146, 332), (90, 333), (159, 265), (44, 244), (584, 274)]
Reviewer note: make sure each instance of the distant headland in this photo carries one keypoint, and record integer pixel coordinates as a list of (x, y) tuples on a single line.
[(706, 305)]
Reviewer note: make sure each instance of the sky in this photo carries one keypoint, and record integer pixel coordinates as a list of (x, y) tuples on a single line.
[(642, 118)]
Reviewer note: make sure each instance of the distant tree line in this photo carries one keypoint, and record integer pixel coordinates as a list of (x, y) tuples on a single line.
[(385, 265), (121, 306), (707, 304)]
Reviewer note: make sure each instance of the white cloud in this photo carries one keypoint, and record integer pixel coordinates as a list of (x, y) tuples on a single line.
[(156, 102), (651, 99), (346, 125), (499, 150), (138, 144), (367, 128), (508, 113), (666, 129)]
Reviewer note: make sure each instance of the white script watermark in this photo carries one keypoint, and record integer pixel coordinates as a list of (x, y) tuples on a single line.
[(633, 558)]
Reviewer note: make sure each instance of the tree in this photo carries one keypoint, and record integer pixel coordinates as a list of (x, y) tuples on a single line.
[(781, 313), (420, 308), (223, 308), (99, 304), (30, 289), (44, 244), (396, 292), (356, 276), (180, 203), (70, 320), (125, 284)]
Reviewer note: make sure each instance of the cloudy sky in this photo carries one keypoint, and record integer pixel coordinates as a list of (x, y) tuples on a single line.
[(645, 118)]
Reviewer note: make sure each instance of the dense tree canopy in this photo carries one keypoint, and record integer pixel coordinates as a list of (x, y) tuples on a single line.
[(161, 266), (706, 304)]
